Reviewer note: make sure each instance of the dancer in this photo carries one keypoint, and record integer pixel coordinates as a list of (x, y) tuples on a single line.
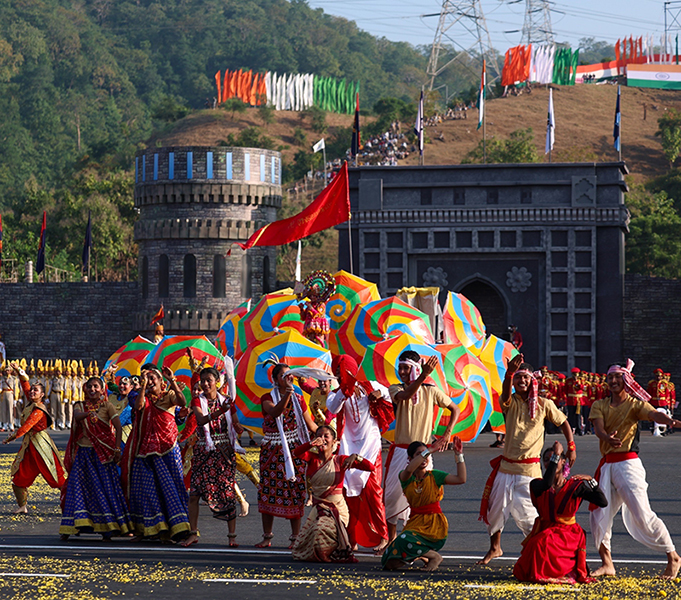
[(414, 401), (286, 422), (213, 463), (507, 492), (621, 474), (555, 550), (38, 455), (363, 414), (152, 466), (426, 531), (93, 500), (324, 537)]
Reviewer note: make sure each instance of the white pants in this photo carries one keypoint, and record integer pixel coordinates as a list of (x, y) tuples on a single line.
[(659, 429), (7, 410), (396, 505), (510, 496), (624, 485)]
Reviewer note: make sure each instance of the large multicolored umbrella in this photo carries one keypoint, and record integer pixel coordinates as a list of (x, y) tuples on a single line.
[(470, 388), (376, 321), (351, 291), (227, 339), (495, 356), (130, 356), (381, 360), (463, 323), (253, 377), (171, 352), (273, 313)]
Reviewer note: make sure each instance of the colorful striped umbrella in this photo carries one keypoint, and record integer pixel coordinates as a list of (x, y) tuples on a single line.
[(463, 324), (495, 356), (227, 339), (274, 312), (376, 321), (381, 360), (470, 388), (252, 377), (131, 356), (171, 352), (350, 292)]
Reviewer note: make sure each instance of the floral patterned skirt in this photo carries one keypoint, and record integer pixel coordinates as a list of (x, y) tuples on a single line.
[(212, 478), (277, 496)]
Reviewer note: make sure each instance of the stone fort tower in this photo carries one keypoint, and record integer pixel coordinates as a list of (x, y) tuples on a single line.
[(194, 203)]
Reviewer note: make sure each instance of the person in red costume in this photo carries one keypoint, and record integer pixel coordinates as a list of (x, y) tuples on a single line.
[(38, 455), (324, 536), (555, 549), (364, 412)]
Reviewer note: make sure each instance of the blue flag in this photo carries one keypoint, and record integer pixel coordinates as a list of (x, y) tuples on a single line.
[(618, 121)]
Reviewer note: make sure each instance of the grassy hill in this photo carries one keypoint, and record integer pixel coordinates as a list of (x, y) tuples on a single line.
[(584, 123)]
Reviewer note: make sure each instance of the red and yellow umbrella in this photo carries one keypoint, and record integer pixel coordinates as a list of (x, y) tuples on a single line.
[(376, 321), (351, 291), (495, 356), (171, 352), (227, 339), (253, 377), (131, 356), (470, 388), (273, 313), (463, 323)]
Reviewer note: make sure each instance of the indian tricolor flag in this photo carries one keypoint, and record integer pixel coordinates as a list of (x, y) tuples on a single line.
[(667, 77), (481, 94)]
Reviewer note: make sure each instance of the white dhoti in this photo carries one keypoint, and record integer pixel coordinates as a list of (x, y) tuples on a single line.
[(658, 428), (396, 505), (7, 410), (510, 496), (624, 485)]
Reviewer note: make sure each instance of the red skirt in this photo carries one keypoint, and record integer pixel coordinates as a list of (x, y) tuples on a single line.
[(555, 554)]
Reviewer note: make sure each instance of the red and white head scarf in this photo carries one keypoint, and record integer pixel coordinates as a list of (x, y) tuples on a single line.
[(630, 385), (533, 392), (413, 375)]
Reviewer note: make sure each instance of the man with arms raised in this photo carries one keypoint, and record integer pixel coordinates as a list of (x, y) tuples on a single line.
[(620, 473)]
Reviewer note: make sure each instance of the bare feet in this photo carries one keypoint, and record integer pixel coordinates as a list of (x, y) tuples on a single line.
[(378, 550), (266, 541), (244, 506), (606, 570), (673, 564), (433, 562), (192, 538), (22, 510), (491, 553)]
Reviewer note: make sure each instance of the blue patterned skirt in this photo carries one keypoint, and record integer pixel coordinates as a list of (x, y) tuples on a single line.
[(158, 496), (93, 499)]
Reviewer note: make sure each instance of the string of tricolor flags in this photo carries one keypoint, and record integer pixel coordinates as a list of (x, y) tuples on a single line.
[(287, 91)]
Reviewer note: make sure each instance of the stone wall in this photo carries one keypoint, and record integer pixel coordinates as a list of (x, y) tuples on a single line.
[(652, 313), (87, 321)]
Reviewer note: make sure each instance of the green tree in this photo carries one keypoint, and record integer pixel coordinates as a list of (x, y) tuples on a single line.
[(653, 243), (669, 132), (517, 148)]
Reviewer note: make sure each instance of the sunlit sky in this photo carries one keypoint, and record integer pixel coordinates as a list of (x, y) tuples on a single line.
[(606, 20)]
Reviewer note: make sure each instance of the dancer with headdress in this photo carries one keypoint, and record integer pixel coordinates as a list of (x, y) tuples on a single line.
[(621, 474), (38, 455), (92, 499), (317, 288), (152, 466), (286, 425), (507, 491)]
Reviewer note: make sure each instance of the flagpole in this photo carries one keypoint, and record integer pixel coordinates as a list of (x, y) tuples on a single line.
[(484, 139), (352, 271), (324, 158)]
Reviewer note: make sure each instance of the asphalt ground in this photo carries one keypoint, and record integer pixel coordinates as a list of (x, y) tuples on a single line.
[(34, 563)]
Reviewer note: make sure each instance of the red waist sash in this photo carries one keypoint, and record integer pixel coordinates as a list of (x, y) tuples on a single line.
[(427, 509), (613, 457), (495, 464)]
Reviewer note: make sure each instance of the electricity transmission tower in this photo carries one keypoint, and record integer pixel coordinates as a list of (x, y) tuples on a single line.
[(462, 26), (537, 27)]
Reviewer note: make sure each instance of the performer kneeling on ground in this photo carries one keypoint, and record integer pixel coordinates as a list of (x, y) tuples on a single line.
[(621, 474), (426, 531), (38, 455), (324, 537), (93, 500), (555, 550)]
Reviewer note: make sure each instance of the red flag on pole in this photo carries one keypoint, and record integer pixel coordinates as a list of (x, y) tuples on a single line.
[(158, 316), (329, 209)]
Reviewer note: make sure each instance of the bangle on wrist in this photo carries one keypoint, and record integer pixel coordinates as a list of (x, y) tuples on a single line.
[(555, 458), (572, 446), (458, 457)]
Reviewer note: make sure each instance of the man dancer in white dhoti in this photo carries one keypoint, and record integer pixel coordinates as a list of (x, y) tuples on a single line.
[(414, 401), (620, 473), (363, 411)]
